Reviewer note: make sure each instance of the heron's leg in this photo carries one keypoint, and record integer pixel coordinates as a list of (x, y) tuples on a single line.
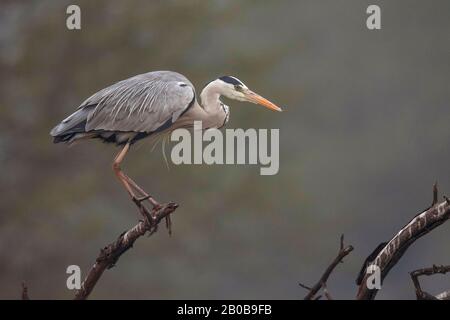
[(145, 195), (123, 178), (129, 184), (118, 171)]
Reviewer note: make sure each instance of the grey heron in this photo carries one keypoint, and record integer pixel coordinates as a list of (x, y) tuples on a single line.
[(151, 104)]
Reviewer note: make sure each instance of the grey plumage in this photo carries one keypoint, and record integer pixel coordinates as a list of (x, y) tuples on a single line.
[(152, 103), (134, 107)]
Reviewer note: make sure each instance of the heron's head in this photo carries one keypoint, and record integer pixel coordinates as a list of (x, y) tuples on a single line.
[(235, 89)]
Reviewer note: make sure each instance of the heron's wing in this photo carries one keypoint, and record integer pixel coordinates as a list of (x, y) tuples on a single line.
[(144, 103)]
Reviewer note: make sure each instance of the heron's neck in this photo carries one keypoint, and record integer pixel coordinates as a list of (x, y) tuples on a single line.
[(214, 113), (210, 99)]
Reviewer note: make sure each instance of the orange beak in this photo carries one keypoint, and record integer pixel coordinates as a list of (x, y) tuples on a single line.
[(252, 97)]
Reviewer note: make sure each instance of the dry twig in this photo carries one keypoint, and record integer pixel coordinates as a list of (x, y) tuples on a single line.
[(321, 284), (25, 292)]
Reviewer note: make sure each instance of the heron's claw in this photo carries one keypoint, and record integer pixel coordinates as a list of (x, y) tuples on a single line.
[(153, 230), (143, 209), (140, 200), (151, 215)]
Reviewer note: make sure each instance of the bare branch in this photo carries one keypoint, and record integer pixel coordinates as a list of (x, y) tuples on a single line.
[(390, 253), (326, 292), (444, 295), (304, 286), (422, 295), (343, 252), (447, 200), (25, 292), (435, 194), (109, 255)]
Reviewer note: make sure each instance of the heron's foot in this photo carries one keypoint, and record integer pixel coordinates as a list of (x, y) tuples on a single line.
[(143, 209), (142, 198), (138, 202), (147, 197), (150, 215)]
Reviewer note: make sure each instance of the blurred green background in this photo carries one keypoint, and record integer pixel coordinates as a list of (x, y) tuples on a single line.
[(363, 137)]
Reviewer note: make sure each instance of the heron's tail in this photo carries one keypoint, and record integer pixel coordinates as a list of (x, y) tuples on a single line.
[(63, 138), (71, 128)]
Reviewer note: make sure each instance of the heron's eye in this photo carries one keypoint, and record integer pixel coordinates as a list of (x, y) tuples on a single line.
[(237, 87)]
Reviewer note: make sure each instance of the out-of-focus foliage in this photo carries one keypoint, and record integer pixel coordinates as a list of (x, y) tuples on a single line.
[(363, 137)]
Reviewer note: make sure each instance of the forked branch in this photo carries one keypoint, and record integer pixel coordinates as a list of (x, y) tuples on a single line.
[(423, 295), (322, 283), (389, 253)]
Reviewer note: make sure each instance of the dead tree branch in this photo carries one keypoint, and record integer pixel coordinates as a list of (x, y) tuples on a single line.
[(109, 255), (322, 283), (388, 254), (25, 292), (326, 293), (444, 295), (422, 295)]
